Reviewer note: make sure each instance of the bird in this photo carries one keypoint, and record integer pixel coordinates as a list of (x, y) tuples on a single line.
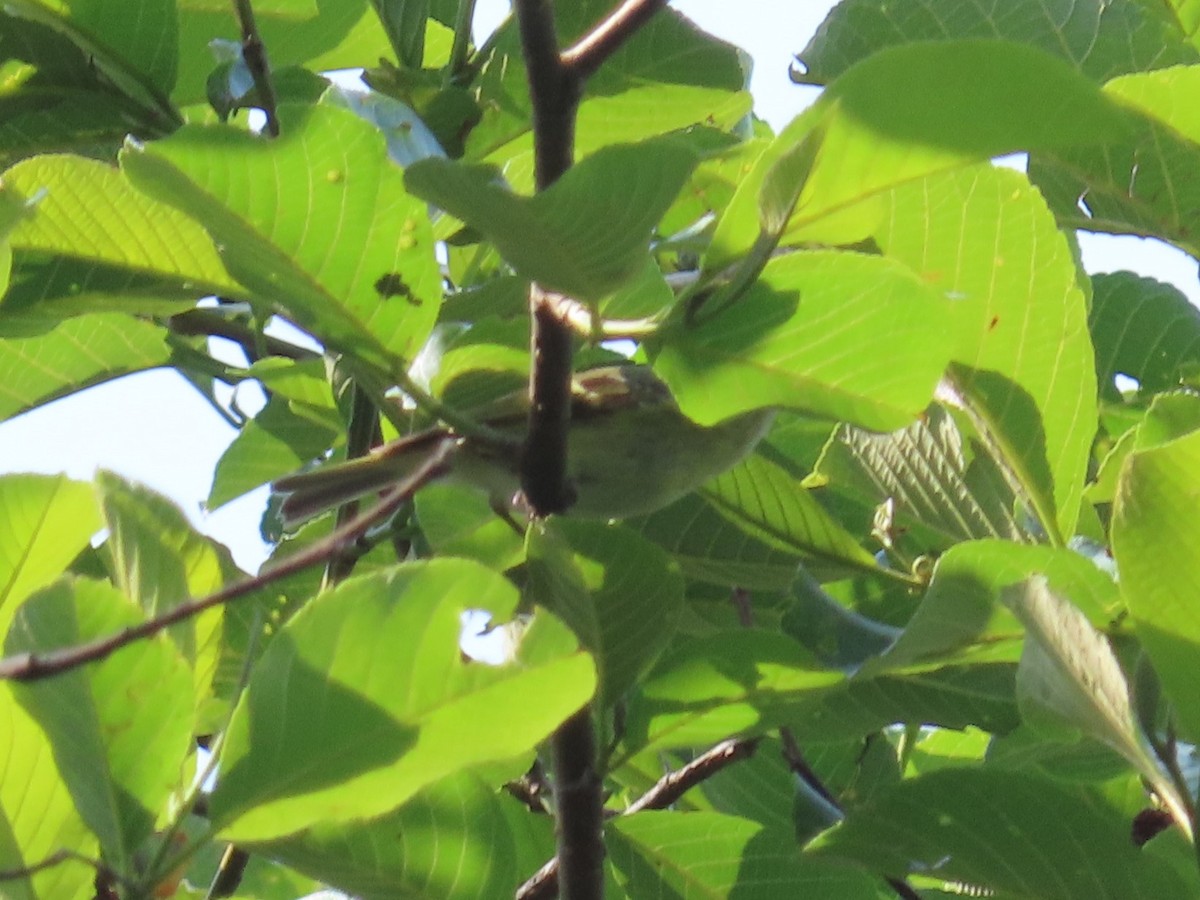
[(631, 451)]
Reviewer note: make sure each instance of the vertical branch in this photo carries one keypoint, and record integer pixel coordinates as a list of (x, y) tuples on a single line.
[(555, 88), (254, 52), (554, 94)]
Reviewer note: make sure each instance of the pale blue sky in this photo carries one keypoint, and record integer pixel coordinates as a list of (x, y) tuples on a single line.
[(154, 428)]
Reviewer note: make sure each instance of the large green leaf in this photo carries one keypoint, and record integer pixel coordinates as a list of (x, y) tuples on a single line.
[(836, 334), (1100, 38), (766, 502), (89, 218), (960, 615), (1140, 184), (121, 728), (933, 478), (749, 681), (138, 60), (631, 595), (457, 839), (1015, 833), (674, 856), (141, 33), (1144, 329), (37, 815), (1070, 675), (1026, 367), (588, 233), (43, 358), (159, 560), (48, 521), (364, 698), (1155, 534), (903, 114), (710, 547), (316, 223)]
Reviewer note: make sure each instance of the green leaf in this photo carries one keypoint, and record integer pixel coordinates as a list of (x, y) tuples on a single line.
[(323, 734), (1099, 38), (43, 358), (835, 334), (1069, 671), (460, 521), (316, 223), (747, 681), (461, 839), (48, 521), (1015, 833), (584, 236), (121, 728), (960, 616), (933, 478), (1141, 183), (134, 53), (632, 590), (672, 855), (87, 213), (405, 24), (1025, 366), (765, 501), (906, 113), (159, 560), (710, 547), (1154, 534), (1144, 329), (37, 814)]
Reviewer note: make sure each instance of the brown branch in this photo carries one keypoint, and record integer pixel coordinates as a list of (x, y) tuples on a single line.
[(254, 54), (665, 792), (579, 804), (675, 784), (34, 666), (206, 323), (589, 53), (554, 91), (544, 455)]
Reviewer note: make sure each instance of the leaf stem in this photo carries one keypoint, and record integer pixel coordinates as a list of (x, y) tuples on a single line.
[(457, 64)]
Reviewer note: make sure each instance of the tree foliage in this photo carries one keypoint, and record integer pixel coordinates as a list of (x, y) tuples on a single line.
[(888, 654)]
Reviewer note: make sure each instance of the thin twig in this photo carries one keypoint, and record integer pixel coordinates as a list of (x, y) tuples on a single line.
[(254, 54), (203, 322), (588, 54), (674, 785), (665, 792), (34, 666), (57, 858)]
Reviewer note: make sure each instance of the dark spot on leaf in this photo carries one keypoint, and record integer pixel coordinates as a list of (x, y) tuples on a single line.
[(992, 324), (1148, 823), (392, 285)]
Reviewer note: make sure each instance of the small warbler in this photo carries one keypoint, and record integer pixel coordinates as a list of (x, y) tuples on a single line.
[(630, 451)]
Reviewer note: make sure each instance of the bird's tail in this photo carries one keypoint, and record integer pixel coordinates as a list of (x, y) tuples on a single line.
[(307, 494)]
